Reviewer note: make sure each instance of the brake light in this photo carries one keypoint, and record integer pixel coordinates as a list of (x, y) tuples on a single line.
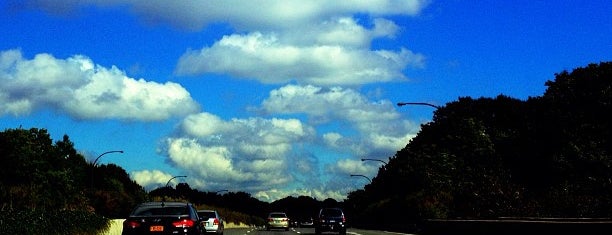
[(216, 222), (343, 219), (183, 223), (131, 224)]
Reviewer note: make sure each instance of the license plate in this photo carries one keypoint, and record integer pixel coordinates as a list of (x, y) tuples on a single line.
[(332, 221), (156, 229)]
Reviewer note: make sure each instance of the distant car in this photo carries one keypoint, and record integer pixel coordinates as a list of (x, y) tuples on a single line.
[(307, 223), (331, 220), (278, 220), (163, 218), (211, 221)]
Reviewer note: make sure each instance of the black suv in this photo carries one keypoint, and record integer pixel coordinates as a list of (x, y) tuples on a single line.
[(163, 218), (331, 220)]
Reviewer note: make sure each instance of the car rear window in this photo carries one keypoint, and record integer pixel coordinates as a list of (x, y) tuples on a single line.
[(207, 214), (154, 211), (331, 213), (278, 215)]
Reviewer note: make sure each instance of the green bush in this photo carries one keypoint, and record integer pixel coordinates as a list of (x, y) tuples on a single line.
[(52, 222)]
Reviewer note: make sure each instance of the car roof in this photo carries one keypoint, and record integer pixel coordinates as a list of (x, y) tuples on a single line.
[(331, 208), (163, 204)]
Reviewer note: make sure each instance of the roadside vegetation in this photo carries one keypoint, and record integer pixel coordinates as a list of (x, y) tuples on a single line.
[(546, 156)]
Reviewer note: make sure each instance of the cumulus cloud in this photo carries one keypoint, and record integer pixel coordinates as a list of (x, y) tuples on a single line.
[(243, 15), (253, 152), (311, 42), (378, 122), (269, 60), (352, 166), (85, 90), (151, 178)]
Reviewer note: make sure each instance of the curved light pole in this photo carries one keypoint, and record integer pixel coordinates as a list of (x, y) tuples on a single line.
[(363, 177), (178, 176), (418, 103), (93, 164), (114, 151), (372, 159)]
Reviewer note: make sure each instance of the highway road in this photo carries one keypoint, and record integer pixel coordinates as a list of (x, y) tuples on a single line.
[(299, 231)]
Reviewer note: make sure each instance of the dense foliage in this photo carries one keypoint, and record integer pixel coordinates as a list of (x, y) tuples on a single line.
[(51, 222), (38, 175), (548, 156)]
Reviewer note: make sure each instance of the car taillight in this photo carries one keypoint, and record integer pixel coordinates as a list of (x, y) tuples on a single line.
[(131, 224), (216, 222), (343, 219), (183, 223)]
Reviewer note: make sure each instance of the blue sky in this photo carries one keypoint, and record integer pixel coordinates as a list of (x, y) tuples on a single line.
[(273, 98)]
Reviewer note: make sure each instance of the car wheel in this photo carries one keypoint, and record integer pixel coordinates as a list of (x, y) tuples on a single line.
[(317, 232)]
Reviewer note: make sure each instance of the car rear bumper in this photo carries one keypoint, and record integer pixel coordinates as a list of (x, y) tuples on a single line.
[(331, 227)]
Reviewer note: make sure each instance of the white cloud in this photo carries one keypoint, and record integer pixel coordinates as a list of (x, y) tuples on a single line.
[(244, 15), (378, 123), (84, 90), (252, 154), (312, 42), (151, 178), (269, 60), (351, 166)]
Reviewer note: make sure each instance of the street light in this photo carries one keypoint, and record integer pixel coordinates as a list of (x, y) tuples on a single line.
[(178, 176), (363, 177), (114, 151), (371, 159), (93, 164), (418, 103)]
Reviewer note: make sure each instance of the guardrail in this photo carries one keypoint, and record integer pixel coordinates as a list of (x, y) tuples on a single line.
[(509, 225)]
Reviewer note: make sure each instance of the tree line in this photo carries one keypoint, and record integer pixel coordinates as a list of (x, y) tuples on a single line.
[(546, 156), (39, 175)]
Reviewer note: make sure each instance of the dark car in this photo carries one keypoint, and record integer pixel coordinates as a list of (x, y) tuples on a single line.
[(331, 220), (163, 218)]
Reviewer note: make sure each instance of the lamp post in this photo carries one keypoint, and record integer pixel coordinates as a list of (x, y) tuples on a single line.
[(107, 152), (363, 177), (174, 177), (371, 159), (418, 103), (93, 164)]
